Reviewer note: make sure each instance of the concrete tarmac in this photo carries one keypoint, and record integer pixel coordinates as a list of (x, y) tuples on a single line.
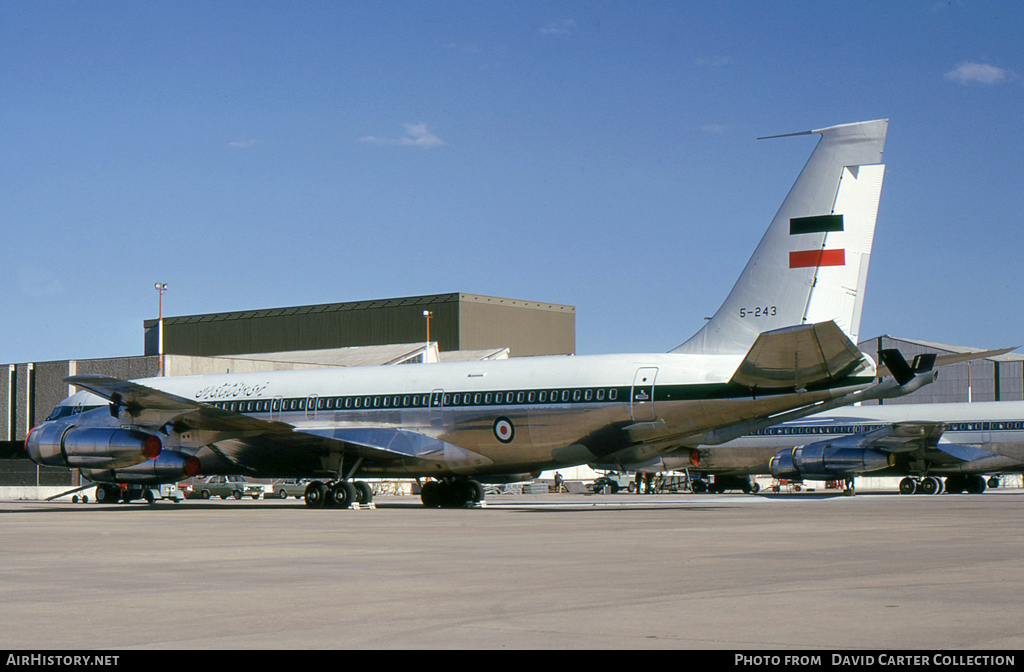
[(535, 571)]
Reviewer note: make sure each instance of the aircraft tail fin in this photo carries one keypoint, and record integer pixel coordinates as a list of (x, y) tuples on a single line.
[(811, 265)]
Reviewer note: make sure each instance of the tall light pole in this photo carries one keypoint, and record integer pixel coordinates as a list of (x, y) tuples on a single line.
[(426, 353), (160, 287)]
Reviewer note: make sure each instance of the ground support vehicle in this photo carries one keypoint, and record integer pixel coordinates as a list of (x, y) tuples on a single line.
[(109, 493), (611, 483)]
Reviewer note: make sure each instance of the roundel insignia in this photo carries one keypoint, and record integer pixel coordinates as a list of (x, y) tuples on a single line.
[(504, 430)]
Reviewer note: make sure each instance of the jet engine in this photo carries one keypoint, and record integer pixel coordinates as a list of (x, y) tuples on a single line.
[(169, 466), (824, 461), (91, 447)]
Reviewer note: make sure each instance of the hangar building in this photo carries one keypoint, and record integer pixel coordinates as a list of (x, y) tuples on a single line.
[(458, 322), (998, 378)]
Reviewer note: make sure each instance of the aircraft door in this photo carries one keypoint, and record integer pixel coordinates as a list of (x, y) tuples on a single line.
[(437, 408), (642, 394)]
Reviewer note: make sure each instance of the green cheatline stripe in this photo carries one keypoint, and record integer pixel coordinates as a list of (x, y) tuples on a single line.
[(559, 396), (819, 224)]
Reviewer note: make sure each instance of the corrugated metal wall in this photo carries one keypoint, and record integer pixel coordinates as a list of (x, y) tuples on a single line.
[(980, 376), (311, 327), (526, 328), (459, 322)]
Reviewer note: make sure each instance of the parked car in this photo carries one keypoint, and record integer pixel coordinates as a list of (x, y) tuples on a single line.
[(289, 488), (611, 483), (224, 487)]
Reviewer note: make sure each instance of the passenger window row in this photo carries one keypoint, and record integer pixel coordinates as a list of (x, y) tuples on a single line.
[(435, 399)]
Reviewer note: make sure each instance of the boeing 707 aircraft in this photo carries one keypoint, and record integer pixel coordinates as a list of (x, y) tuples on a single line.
[(924, 443), (781, 346)]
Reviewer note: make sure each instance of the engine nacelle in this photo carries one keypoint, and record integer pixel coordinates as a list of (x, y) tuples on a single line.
[(824, 461), (91, 447), (168, 467)]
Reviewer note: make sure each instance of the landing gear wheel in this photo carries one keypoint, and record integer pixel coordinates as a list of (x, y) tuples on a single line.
[(432, 494), (975, 484), (342, 495), (478, 491), (955, 484), (459, 495), (993, 482), (107, 494), (316, 495), (364, 493), (908, 486), (930, 486)]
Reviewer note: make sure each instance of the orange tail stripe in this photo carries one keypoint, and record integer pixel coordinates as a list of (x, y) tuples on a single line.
[(816, 258)]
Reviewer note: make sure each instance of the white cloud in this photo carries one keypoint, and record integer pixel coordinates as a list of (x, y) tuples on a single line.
[(981, 73), (566, 27), (416, 135)]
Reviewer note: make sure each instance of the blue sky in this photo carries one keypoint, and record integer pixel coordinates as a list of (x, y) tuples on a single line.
[(598, 154)]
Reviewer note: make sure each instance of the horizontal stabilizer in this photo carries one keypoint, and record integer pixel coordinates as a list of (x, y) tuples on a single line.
[(798, 357)]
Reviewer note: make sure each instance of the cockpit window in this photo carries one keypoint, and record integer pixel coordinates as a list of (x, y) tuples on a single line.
[(65, 411)]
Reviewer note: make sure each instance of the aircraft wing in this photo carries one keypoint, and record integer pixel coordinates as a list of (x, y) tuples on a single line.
[(904, 437), (945, 360), (922, 438), (239, 435), (155, 408)]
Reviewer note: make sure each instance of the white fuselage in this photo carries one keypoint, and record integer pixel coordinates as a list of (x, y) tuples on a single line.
[(497, 417), (997, 427)]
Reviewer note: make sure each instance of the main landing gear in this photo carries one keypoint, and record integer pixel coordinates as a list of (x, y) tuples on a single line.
[(973, 484), (456, 493), (338, 494)]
